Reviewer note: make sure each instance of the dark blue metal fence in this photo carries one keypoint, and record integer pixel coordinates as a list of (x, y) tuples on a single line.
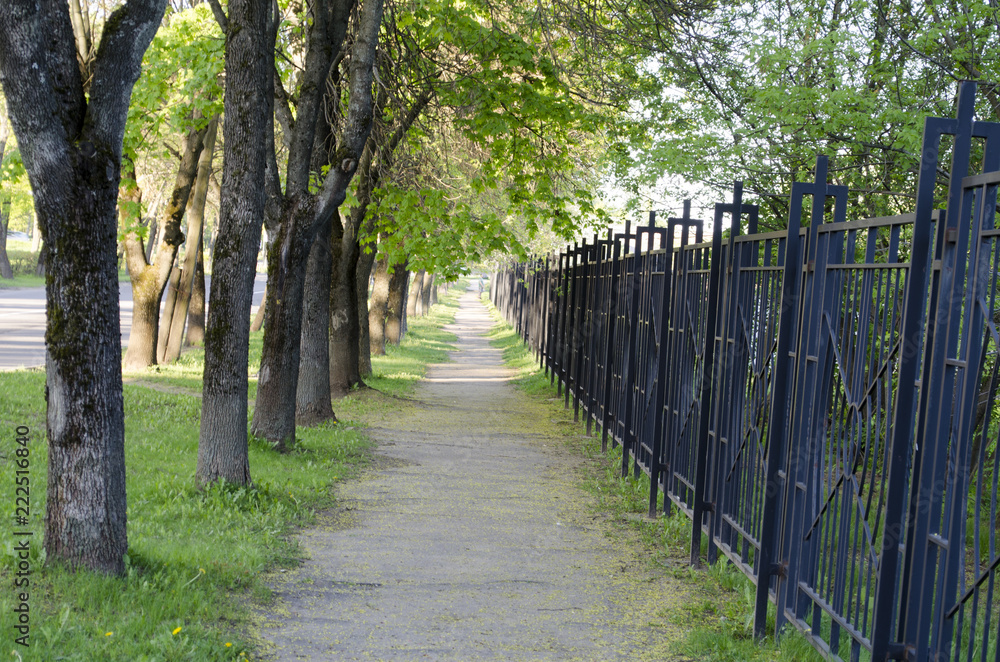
[(822, 403)]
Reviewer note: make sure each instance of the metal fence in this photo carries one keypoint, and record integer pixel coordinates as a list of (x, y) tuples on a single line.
[(821, 403)]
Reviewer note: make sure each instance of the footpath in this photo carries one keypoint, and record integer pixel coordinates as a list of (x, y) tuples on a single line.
[(471, 539)]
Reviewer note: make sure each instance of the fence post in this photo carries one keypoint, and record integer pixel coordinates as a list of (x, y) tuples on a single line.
[(562, 287), (700, 506), (777, 471), (579, 295), (674, 322), (922, 563), (594, 288), (630, 441), (726, 387), (551, 284), (614, 273)]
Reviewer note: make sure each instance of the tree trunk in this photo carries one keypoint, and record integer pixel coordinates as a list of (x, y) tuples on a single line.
[(312, 398), (379, 308), (413, 295), (195, 224), (71, 146), (169, 304), (154, 228), (5, 269), (287, 259), (36, 235), (149, 279), (196, 315), (222, 441), (344, 325), (434, 291), (303, 213), (425, 293), (396, 309), (258, 318), (365, 262)]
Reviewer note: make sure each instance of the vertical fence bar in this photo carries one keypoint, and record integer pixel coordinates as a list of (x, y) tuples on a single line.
[(614, 255), (768, 566), (700, 505)]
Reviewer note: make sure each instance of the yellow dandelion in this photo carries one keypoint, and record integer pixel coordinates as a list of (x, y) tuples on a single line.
[(228, 645), (176, 630), (201, 570), (108, 634)]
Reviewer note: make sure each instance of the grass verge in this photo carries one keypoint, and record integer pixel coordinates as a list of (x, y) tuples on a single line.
[(23, 262), (196, 559), (719, 625)]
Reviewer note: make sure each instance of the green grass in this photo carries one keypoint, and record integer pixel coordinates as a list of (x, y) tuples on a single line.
[(23, 262), (197, 559), (720, 625), (395, 375)]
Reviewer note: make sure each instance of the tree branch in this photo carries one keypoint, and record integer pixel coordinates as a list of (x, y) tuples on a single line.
[(126, 37), (359, 110), (283, 111), (220, 16)]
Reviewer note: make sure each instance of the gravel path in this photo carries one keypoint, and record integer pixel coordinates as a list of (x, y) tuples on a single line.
[(471, 541)]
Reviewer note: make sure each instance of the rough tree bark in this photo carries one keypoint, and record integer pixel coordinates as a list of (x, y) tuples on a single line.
[(169, 303), (303, 213), (149, 279), (258, 318), (154, 229), (414, 294), (6, 271), (379, 308), (365, 263), (250, 32), (349, 349), (196, 315), (312, 404), (195, 223), (72, 148), (425, 292), (395, 317), (344, 327)]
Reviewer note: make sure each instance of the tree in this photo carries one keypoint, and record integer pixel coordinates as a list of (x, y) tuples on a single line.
[(148, 280), (485, 77), (754, 90), (177, 93), (71, 145), (193, 253), (222, 444), (302, 212), (5, 268)]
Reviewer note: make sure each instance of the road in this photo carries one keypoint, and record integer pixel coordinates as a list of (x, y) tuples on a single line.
[(22, 322)]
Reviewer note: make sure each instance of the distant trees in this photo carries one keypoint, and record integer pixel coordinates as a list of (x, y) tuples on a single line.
[(178, 94)]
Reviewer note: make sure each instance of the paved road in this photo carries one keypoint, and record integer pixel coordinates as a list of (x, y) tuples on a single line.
[(22, 322), (473, 541)]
